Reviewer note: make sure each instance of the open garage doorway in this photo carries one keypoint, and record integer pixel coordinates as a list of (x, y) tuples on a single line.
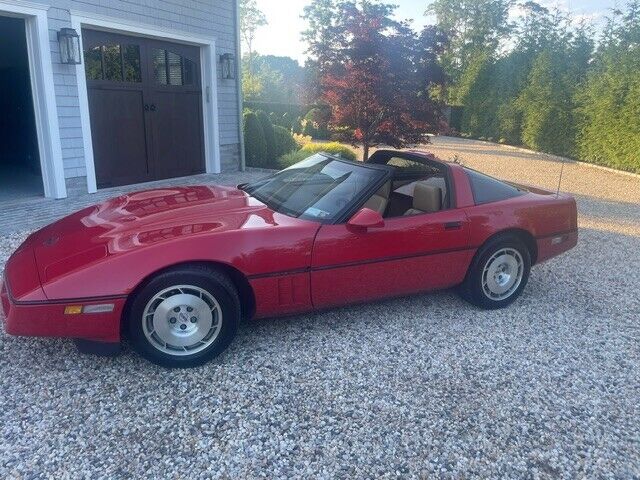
[(20, 171)]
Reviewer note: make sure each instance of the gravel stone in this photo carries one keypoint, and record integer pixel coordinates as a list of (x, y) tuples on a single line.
[(419, 387)]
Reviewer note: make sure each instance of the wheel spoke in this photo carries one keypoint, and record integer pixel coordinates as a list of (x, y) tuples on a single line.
[(176, 335)]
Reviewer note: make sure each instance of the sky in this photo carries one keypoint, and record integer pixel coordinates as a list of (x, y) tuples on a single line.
[(282, 35)]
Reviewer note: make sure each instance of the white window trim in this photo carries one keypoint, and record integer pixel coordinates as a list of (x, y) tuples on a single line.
[(43, 92), (209, 83)]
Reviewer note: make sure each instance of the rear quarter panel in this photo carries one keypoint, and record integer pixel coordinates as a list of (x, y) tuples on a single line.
[(544, 215)]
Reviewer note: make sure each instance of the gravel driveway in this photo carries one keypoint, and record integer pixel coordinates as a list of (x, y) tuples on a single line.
[(416, 387)]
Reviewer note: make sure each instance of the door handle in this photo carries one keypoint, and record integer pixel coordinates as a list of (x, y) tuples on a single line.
[(453, 225), (153, 107), (146, 107)]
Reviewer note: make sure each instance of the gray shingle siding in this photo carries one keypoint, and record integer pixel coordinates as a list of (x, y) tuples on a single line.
[(207, 18)]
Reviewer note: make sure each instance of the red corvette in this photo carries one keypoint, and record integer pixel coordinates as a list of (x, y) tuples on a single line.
[(176, 269)]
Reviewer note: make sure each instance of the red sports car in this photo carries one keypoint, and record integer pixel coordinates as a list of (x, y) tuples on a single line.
[(176, 269)]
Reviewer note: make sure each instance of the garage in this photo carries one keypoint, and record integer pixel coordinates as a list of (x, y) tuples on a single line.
[(145, 108), (20, 171)]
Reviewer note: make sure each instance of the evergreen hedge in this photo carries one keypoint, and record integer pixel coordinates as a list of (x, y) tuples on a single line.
[(255, 145), (269, 136), (285, 143)]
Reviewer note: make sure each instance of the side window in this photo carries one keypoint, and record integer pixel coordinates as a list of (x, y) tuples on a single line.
[(169, 68), (487, 189), (113, 62)]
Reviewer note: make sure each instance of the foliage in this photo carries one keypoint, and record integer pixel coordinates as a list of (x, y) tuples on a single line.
[(269, 135), (309, 149), (297, 125), (323, 35), (609, 113), (272, 79), (473, 28), (369, 72), (547, 108), (527, 95), (316, 123), (301, 139), (255, 144), (251, 19), (284, 141)]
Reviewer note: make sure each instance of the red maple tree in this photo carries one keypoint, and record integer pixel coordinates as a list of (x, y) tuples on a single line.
[(374, 86)]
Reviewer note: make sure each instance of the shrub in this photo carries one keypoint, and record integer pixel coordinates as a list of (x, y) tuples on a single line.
[(285, 120), (312, 148), (296, 126), (269, 136), (302, 140), (285, 143), (255, 144), (316, 123)]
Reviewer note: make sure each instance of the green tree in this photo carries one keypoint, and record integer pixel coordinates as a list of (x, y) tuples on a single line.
[(609, 111), (322, 35), (274, 79), (474, 27), (251, 19), (547, 107)]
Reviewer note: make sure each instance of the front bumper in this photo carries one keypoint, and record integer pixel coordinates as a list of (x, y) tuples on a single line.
[(47, 319)]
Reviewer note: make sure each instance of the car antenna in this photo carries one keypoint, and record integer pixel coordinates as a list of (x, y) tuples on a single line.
[(560, 179)]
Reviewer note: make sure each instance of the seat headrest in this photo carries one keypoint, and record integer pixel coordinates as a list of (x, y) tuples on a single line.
[(427, 198)]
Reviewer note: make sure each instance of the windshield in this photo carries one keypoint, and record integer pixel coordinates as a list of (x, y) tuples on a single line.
[(318, 188)]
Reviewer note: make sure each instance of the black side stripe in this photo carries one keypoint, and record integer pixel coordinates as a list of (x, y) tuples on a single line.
[(380, 260), (354, 264)]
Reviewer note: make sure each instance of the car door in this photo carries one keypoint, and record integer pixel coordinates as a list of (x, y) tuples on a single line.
[(408, 254)]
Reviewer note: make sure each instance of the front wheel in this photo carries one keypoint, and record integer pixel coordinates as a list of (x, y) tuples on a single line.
[(498, 273), (184, 317)]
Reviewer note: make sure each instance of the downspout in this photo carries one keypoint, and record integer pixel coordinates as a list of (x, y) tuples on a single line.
[(239, 87)]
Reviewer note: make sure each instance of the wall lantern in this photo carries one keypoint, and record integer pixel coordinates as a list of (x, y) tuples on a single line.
[(69, 42), (228, 66)]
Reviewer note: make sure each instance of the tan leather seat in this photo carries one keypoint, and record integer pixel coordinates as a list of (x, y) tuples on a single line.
[(426, 199), (379, 201)]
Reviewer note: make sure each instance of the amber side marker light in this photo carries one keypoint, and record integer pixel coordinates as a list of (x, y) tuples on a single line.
[(78, 309)]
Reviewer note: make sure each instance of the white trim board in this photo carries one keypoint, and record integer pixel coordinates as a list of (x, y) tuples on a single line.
[(43, 92), (209, 83)]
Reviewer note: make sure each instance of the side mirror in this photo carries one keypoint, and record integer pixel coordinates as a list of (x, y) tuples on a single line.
[(366, 218)]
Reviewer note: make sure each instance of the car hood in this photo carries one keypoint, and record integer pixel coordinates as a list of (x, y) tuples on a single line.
[(140, 219)]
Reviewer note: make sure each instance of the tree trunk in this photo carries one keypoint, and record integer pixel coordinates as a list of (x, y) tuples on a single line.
[(365, 154)]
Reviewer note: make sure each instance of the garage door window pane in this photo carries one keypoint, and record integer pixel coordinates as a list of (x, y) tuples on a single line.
[(112, 63), (131, 56), (189, 69), (160, 66), (175, 68), (93, 63)]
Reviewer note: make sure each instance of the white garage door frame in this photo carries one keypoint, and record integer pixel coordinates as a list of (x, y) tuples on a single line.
[(43, 92), (209, 82)]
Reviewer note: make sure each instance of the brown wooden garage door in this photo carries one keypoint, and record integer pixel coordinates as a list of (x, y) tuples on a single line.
[(145, 104)]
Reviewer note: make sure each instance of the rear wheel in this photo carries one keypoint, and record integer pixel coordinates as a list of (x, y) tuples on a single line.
[(184, 317), (498, 273)]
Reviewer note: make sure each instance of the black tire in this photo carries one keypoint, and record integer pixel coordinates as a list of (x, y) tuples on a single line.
[(472, 288), (211, 282)]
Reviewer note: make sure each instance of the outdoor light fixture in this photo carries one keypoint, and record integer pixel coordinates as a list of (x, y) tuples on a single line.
[(69, 42), (228, 66)]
